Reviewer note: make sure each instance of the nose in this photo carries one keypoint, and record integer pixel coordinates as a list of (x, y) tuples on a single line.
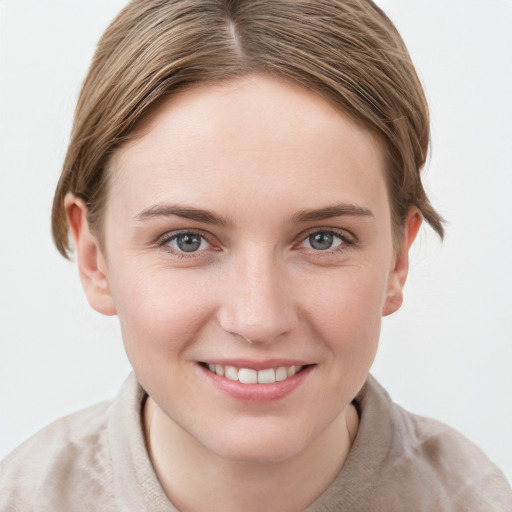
[(258, 303)]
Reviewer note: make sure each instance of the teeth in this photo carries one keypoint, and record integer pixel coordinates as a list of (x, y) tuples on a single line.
[(281, 374), (231, 373), (292, 371), (266, 376), (248, 376)]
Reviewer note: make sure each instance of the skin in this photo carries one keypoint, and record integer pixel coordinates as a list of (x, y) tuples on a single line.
[(261, 156)]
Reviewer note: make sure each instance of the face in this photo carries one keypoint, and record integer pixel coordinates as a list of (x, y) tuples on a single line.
[(248, 253)]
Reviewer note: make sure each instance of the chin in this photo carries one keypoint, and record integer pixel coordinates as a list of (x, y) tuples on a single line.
[(270, 444), (263, 452)]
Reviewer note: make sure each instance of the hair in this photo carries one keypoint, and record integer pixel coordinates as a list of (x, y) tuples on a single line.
[(348, 51)]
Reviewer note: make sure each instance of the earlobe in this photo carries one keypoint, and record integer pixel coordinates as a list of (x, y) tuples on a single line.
[(90, 259), (398, 275)]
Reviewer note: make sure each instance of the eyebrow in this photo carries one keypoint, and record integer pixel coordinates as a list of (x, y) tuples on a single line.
[(337, 210), (208, 217), (196, 214)]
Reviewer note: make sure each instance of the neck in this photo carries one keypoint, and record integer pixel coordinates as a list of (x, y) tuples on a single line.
[(196, 479)]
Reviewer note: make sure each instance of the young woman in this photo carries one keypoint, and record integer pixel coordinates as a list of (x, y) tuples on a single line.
[(243, 187)]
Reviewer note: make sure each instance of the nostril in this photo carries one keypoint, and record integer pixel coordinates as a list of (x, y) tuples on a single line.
[(267, 328)]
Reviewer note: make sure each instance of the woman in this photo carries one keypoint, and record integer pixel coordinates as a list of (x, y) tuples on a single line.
[(243, 188)]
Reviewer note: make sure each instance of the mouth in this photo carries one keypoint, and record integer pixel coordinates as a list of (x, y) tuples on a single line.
[(252, 376), (256, 382)]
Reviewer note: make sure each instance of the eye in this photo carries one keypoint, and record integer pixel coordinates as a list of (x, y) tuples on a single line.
[(323, 240), (185, 242)]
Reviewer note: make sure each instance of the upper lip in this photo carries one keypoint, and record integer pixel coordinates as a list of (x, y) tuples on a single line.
[(257, 365)]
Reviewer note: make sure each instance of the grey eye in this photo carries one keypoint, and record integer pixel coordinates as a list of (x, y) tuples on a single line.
[(322, 240), (188, 242)]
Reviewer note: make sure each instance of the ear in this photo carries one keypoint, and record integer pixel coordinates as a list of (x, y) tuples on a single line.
[(90, 259), (398, 275)]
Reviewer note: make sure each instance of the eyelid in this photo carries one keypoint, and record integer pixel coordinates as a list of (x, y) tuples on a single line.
[(164, 239), (347, 237)]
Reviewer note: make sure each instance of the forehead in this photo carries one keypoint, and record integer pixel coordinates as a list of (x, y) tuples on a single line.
[(257, 138)]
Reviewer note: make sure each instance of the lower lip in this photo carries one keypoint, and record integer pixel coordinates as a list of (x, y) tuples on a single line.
[(259, 393)]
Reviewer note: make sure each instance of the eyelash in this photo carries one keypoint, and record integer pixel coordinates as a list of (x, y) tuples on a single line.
[(347, 241), (163, 242)]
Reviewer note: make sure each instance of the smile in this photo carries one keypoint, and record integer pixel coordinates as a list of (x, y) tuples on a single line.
[(250, 376)]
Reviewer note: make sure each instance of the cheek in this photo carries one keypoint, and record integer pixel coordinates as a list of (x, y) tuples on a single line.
[(160, 310), (347, 314), (351, 298)]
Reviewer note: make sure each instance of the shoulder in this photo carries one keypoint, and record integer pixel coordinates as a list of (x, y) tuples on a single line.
[(400, 462), (69, 453), (435, 464), (459, 470)]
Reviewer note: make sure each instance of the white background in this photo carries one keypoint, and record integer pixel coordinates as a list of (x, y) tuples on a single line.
[(446, 354)]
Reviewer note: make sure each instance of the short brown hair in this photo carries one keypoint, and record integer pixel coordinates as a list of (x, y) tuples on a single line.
[(346, 50)]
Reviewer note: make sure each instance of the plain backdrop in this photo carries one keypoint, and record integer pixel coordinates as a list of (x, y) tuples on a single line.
[(447, 353)]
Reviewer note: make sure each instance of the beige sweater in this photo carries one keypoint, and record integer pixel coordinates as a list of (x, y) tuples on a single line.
[(95, 460)]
